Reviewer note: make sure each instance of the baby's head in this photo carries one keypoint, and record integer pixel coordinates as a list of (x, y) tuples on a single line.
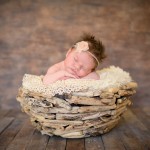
[(84, 56)]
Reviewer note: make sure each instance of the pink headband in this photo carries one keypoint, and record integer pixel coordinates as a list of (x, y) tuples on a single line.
[(82, 47)]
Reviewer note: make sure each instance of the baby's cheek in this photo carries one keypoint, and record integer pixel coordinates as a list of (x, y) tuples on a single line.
[(82, 73)]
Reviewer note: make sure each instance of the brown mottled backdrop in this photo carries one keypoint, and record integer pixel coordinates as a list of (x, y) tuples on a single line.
[(36, 34)]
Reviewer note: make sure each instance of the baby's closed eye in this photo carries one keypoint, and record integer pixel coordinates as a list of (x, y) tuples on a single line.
[(75, 59)]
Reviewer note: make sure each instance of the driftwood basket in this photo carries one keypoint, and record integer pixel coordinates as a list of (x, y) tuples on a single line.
[(77, 108)]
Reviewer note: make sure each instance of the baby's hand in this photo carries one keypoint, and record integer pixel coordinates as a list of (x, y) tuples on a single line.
[(59, 75), (69, 75)]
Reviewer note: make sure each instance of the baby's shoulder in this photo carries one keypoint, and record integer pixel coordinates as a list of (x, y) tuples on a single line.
[(54, 68), (58, 65)]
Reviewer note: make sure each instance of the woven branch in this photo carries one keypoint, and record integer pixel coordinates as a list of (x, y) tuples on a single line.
[(75, 114)]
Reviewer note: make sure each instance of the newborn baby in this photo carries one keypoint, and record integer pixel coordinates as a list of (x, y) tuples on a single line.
[(80, 62)]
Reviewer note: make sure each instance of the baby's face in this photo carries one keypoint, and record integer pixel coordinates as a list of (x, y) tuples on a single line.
[(79, 64)]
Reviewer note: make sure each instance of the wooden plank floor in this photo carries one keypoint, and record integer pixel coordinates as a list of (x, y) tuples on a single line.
[(132, 133)]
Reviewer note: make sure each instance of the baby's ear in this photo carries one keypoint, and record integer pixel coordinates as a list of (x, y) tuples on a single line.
[(69, 51)]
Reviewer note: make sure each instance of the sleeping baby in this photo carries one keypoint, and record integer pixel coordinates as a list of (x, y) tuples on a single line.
[(80, 63)]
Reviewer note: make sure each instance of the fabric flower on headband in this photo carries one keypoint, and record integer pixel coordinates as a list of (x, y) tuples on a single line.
[(82, 46)]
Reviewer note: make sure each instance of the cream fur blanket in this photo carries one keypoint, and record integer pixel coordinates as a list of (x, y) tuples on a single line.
[(109, 77)]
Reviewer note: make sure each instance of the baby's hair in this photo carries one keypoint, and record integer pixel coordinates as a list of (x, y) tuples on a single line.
[(95, 46)]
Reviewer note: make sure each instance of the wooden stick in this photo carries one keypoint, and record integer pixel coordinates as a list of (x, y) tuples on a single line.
[(82, 116), (96, 115), (130, 85), (59, 103), (95, 108), (124, 103), (60, 122), (126, 92), (85, 101), (119, 112), (107, 95), (107, 123), (108, 101)]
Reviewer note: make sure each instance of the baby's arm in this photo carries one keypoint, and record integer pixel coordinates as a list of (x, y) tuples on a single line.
[(55, 73), (92, 75), (48, 78)]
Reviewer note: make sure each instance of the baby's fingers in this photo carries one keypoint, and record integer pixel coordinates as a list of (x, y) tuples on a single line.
[(70, 75)]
